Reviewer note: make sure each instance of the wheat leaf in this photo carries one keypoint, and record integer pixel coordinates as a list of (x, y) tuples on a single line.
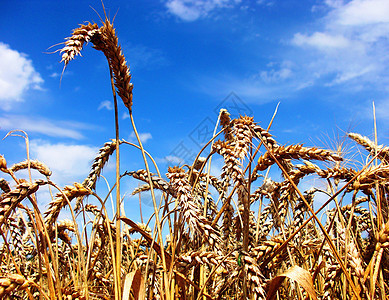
[(296, 273)]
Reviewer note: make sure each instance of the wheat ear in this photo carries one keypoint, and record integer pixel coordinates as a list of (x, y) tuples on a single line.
[(76, 41), (107, 41), (61, 200), (33, 164)]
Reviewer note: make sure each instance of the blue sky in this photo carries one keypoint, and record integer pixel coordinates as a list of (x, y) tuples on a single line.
[(324, 61)]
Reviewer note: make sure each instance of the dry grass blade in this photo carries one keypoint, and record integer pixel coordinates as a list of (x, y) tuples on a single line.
[(133, 282), (296, 273), (148, 238)]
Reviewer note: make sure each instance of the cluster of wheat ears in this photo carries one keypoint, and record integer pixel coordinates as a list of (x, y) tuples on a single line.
[(240, 235)]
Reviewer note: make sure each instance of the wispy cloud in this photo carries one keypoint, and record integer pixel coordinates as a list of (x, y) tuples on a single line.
[(265, 86), (144, 57), (171, 159), (105, 104), (43, 126), (54, 75), (17, 75), (191, 10), (68, 163), (276, 72), (125, 115), (144, 137), (350, 45), (346, 47), (321, 41)]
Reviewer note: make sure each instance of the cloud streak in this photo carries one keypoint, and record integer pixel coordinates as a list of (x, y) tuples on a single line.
[(143, 57), (105, 105), (191, 10), (144, 137), (43, 126)]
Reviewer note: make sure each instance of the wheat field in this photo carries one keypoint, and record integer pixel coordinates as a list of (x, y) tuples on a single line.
[(240, 235)]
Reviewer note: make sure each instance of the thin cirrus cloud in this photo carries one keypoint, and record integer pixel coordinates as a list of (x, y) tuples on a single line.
[(321, 40), (144, 57), (191, 10), (143, 136), (105, 105), (46, 127), (17, 75)]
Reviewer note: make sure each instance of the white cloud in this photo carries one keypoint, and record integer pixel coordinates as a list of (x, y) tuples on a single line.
[(68, 163), (105, 104), (191, 10), (173, 160), (125, 115), (364, 12), (350, 46), (42, 126), (349, 75), (277, 74), (320, 40), (17, 75), (144, 137), (334, 3), (337, 50), (265, 2), (260, 88), (54, 75)]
